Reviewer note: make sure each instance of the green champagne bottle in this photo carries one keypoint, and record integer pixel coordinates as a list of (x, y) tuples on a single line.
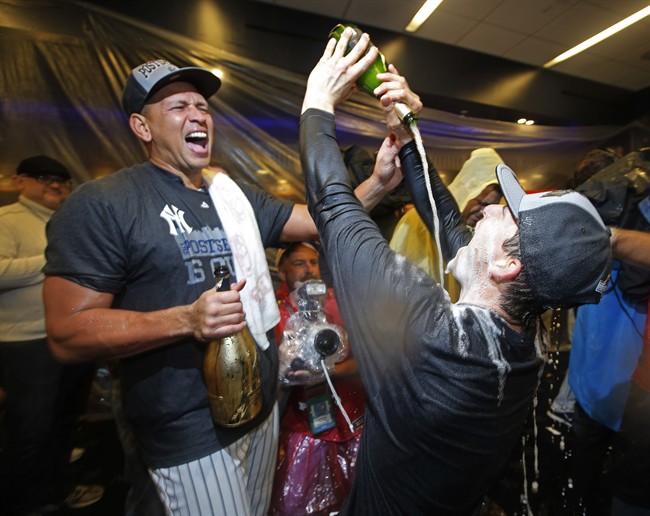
[(368, 80), (231, 371)]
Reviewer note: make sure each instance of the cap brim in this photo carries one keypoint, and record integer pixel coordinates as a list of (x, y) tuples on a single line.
[(512, 190)]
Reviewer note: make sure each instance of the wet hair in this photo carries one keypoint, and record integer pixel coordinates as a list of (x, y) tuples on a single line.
[(592, 163), (518, 301)]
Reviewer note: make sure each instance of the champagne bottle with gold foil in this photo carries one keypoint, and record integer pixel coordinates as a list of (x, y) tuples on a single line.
[(368, 80), (231, 371)]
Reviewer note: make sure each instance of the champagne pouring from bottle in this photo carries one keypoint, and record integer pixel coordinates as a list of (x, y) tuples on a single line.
[(368, 82)]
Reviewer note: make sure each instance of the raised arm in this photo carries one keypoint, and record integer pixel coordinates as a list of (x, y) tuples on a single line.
[(300, 226), (454, 232), (378, 292)]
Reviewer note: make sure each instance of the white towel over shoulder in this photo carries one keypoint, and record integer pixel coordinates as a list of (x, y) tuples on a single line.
[(240, 225)]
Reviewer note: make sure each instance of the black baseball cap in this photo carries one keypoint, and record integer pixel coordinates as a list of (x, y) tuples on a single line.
[(146, 79), (38, 166), (564, 244)]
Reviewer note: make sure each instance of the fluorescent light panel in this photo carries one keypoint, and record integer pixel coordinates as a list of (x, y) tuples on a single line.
[(600, 36), (422, 15)]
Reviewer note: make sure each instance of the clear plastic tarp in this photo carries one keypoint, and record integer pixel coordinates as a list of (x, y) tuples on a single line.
[(64, 64)]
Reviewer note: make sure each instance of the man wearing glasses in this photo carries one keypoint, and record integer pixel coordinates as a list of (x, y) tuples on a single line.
[(41, 394)]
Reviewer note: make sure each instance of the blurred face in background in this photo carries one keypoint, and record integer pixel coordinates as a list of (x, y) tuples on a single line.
[(298, 264), (473, 211), (47, 190)]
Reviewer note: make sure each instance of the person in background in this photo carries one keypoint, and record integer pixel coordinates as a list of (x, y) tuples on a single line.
[(448, 385), (630, 461), (314, 473), (44, 399), (387, 213), (563, 405), (591, 163), (135, 281), (473, 188), (296, 263), (608, 337)]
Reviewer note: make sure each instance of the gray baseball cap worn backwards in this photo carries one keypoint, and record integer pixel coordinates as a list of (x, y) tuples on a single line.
[(564, 244), (146, 79)]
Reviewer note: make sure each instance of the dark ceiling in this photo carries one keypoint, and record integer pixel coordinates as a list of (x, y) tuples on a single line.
[(65, 62), (526, 31), (447, 77)]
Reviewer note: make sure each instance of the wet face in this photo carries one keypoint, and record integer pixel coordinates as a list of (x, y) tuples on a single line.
[(473, 211), (472, 262), (299, 266), (179, 128), (48, 191)]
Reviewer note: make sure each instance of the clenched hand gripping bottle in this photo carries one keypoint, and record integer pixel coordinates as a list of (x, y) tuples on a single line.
[(368, 80)]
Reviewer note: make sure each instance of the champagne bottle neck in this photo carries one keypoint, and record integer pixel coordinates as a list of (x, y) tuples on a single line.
[(404, 113), (222, 278)]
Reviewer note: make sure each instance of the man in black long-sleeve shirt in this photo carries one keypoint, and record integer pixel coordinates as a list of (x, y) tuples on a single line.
[(449, 385)]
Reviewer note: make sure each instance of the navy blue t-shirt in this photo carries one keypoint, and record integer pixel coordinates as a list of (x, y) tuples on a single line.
[(153, 243)]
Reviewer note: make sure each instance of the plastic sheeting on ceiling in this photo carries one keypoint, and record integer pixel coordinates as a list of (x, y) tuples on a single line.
[(65, 62)]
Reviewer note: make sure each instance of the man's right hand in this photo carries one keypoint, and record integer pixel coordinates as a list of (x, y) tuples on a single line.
[(218, 314), (394, 88), (387, 170)]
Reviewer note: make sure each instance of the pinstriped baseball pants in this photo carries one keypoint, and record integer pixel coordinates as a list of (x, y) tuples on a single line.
[(235, 481)]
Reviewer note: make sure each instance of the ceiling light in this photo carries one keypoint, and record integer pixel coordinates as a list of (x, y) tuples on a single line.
[(421, 16), (525, 121), (218, 72), (600, 36)]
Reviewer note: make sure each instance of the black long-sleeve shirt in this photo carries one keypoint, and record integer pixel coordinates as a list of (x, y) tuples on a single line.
[(454, 232), (449, 386)]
